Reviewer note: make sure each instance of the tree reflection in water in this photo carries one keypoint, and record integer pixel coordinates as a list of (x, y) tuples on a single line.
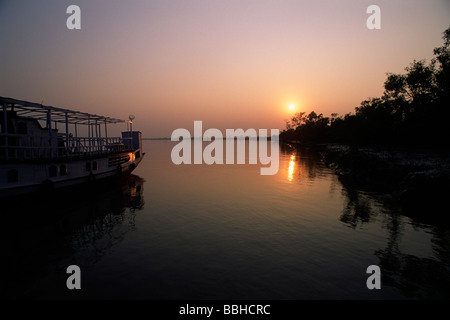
[(427, 278), (415, 277), (357, 209), (44, 234)]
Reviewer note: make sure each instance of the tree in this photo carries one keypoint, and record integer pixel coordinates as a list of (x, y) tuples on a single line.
[(414, 110), (418, 82), (443, 72)]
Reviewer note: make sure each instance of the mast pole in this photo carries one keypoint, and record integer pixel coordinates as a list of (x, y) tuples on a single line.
[(5, 129), (67, 134)]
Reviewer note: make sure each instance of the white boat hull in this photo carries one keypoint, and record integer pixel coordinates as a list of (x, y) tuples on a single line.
[(33, 177)]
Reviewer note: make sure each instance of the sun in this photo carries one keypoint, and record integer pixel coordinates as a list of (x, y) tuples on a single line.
[(291, 106)]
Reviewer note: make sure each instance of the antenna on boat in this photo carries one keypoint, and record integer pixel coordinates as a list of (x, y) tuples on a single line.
[(131, 117)]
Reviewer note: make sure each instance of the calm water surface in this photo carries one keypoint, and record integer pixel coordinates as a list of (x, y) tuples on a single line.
[(222, 232)]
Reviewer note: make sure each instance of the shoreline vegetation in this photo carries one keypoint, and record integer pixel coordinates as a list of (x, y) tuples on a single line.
[(397, 144)]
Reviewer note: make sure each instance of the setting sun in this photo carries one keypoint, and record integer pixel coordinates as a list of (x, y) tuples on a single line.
[(291, 107)]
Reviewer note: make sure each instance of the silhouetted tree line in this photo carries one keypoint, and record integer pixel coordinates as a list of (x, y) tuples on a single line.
[(413, 111)]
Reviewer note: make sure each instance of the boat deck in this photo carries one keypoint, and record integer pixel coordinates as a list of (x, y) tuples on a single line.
[(29, 131)]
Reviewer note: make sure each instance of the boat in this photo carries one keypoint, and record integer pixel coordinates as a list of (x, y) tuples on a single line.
[(45, 148)]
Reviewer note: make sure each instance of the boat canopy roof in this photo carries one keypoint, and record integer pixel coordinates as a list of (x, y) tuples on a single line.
[(41, 112)]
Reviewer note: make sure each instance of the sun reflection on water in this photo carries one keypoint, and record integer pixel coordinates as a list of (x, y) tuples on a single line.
[(291, 168)]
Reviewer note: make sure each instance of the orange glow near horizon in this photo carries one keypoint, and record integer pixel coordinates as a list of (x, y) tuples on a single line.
[(231, 64), (291, 107)]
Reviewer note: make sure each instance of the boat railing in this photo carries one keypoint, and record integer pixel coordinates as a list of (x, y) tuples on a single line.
[(28, 147)]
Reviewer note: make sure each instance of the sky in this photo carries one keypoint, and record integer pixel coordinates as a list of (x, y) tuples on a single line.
[(229, 63)]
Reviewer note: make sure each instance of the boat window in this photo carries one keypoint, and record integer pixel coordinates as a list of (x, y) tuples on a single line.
[(94, 165), (13, 175), (52, 171), (63, 170), (88, 166)]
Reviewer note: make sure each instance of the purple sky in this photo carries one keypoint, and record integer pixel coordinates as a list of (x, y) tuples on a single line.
[(229, 63)]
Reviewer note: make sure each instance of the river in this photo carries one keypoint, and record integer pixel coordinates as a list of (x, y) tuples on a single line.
[(222, 232)]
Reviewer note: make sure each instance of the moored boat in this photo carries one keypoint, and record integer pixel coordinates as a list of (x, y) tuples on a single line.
[(44, 147)]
